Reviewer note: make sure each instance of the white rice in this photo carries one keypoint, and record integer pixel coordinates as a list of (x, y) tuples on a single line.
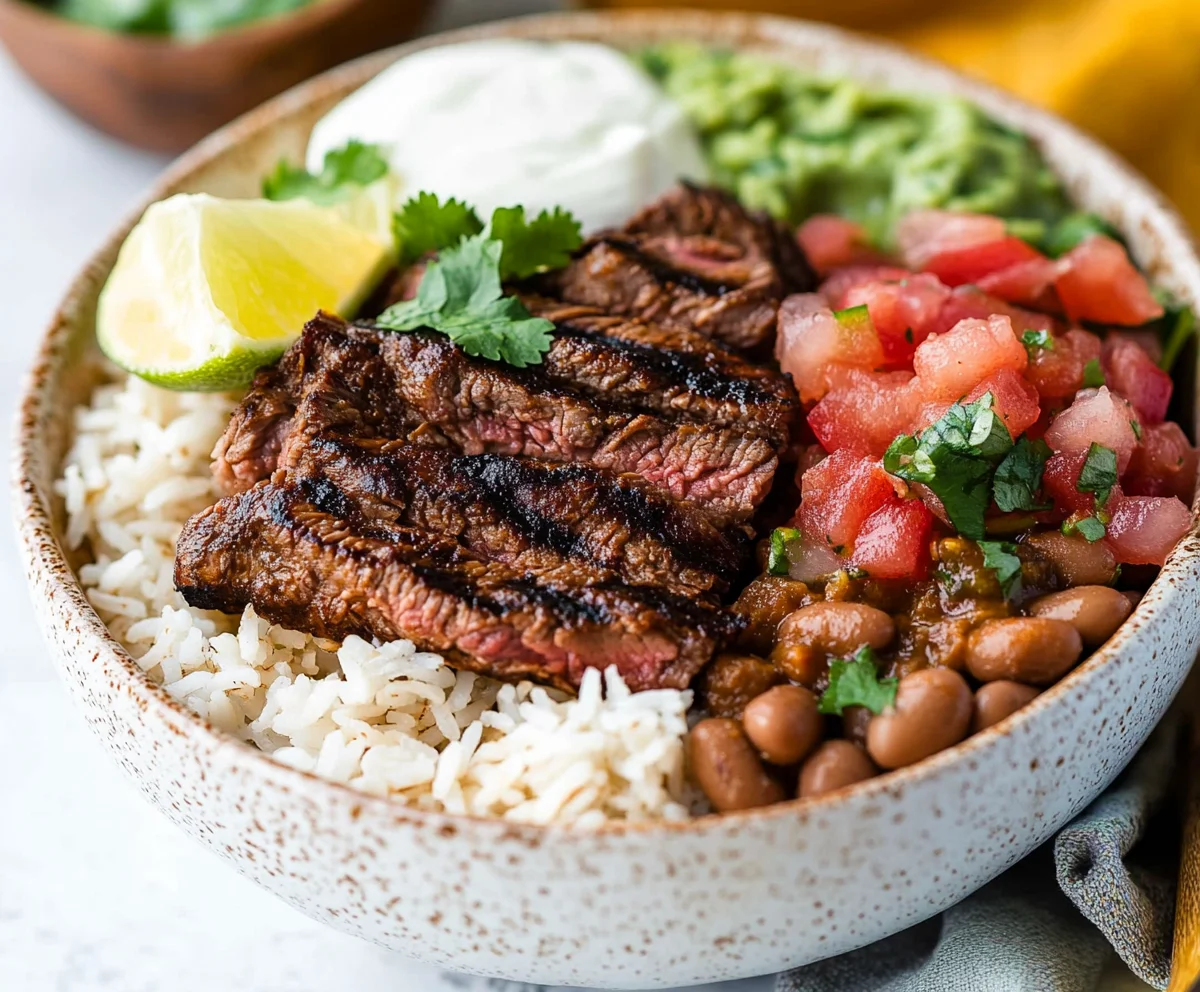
[(387, 719)]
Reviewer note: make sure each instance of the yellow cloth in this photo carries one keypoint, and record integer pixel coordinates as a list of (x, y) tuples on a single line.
[(1128, 71)]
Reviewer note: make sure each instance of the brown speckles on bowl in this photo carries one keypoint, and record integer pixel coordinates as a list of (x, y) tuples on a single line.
[(639, 905)]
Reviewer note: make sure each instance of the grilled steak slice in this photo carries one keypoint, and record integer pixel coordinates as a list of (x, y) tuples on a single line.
[(676, 372), (696, 259), (307, 558), (544, 518), (379, 384)]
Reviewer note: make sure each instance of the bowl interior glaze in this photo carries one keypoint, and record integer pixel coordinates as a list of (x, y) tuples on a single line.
[(628, 906)]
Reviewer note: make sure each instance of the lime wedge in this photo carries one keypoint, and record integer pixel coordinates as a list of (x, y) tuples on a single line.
[(206, 290), (370, 209)]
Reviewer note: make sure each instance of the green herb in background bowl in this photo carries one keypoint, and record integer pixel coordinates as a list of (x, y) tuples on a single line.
[(182, 18), (162, 74)]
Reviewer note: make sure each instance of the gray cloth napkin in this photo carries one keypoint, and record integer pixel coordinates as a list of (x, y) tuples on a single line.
[(1024, 932)]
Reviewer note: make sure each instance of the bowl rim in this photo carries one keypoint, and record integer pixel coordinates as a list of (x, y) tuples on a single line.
[(33, 516), (272, 27)]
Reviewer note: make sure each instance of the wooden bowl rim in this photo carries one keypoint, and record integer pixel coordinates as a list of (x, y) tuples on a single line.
[(262, 31)]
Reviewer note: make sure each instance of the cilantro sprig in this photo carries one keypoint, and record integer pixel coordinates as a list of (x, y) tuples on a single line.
[(345, 170), (460, 295), (461, 292), (538, 245), (856, 682), (956, 458), (425, 225)]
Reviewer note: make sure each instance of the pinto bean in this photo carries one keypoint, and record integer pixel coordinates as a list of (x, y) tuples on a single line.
[(783, 723), (1077, 561), (932, 712), (1033, 650), (997, 700), (837, 629), (834, 765), (727, 768), (1095, 611)]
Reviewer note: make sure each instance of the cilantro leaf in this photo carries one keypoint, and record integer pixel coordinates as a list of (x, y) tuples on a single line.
[(974, 429), (1000, 557), (345, 170), (1019, 476), (857, 683), (1136, 428), (460, 296), (1092, 528), (777, 559), (1073, 229), (546, 242), (1093, 374), (956, 458), (1036, 341), (1099, 473), (424, 224)]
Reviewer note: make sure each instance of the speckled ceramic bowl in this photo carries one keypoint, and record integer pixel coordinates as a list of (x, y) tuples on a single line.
[(628, 906)]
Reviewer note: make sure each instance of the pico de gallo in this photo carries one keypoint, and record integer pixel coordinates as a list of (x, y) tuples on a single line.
[(989, 478)]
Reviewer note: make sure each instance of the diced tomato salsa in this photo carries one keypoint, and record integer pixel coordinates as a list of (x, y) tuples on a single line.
[(954, 389)]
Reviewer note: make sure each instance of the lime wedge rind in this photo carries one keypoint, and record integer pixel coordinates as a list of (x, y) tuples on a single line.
[(205, 291)]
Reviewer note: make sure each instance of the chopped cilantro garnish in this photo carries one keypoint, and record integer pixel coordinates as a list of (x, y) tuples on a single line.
[(1036, 341), (1019, 476), (1137, 429), (460, 293), (1093, 374), (1000, 557), (956, 458), (460, 296), (1099, 472), (857, 573), (546, 242), (424, 224), (1092, 528), (344, 171), (777, 557), (857, 683)]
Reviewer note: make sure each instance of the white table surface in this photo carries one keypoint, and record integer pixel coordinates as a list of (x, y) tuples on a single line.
[(97, 890)]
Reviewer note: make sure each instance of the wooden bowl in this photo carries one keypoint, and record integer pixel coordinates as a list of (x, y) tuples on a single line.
[(165, 94), (630, 905)]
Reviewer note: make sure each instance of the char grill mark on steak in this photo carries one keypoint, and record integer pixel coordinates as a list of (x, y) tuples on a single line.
[(694, 259), (379, 384), (307, 558), (677, 372), (546, 518)]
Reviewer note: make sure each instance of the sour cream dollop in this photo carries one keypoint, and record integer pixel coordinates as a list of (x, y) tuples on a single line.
[(506, 122)]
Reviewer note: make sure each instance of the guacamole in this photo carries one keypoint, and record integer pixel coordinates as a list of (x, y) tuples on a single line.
[(794, 145)]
